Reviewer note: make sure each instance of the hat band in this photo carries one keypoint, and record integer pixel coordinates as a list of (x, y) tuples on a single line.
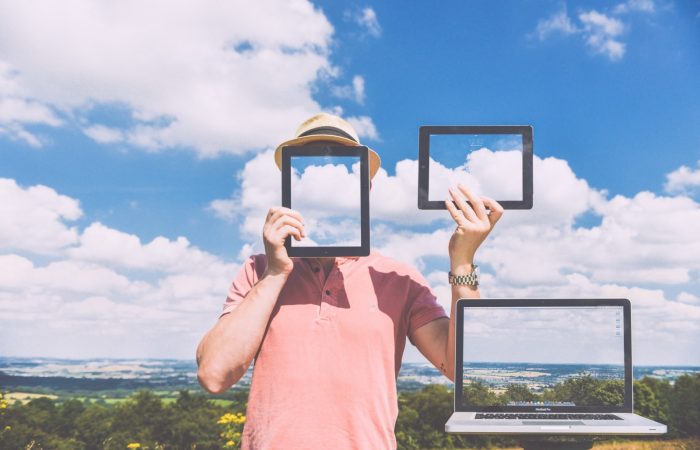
[(333, 131)]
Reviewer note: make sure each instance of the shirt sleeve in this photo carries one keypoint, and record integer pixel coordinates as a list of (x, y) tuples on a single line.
[(243, 282), (424, 307)]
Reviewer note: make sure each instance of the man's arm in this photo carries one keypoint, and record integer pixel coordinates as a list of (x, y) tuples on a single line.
[(226, 351), (436, 339)]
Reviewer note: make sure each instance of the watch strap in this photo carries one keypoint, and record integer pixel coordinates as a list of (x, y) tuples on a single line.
[(470, 279)]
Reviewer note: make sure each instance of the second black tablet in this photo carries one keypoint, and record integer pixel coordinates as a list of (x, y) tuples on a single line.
[(495, 161)]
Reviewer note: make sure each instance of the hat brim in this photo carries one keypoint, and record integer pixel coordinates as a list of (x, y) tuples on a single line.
[(374, 160)]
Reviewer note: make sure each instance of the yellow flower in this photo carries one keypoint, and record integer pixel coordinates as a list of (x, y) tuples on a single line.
[(226, 418), (7, 428), (230, 444), (133, 445)]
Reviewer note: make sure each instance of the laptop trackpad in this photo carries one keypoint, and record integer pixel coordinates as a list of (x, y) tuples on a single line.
[(553, 423)]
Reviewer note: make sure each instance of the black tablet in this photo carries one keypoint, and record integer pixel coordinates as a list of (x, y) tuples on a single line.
[(495, 161), (329, 186)]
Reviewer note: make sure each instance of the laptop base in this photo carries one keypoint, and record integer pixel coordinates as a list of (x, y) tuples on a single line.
[(631, 424)]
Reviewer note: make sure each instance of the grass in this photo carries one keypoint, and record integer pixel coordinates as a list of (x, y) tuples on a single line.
[(24, 397), (167, 397), (675, 444)]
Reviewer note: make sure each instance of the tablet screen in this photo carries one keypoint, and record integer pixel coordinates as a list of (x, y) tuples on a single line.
[(488, 164), (326, 191)]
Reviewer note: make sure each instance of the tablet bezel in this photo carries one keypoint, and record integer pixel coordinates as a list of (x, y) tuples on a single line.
[(426, 131), (328, 151)]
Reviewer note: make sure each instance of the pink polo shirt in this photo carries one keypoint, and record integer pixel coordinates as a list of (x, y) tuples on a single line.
[(325, 376)]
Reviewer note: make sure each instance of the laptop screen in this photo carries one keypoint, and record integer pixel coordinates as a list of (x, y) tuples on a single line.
[(538, 358)]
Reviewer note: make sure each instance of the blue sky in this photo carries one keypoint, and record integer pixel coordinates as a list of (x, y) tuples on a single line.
[(148, 128)]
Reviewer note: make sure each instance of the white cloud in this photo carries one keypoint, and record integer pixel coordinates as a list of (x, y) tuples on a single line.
[(557, 23), (99, 292), (364, 126), (33, 218), (355, 91), (358, 85), (215, 77), (367, 19), (17, 111), (103, 244), (646, 6), (103, 134), (682, 180), (223, 209), (601, 34), (20, 273), (685, 297)]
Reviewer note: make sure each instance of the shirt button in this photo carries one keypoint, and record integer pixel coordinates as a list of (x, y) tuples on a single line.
[(328, 292), (316, 269)]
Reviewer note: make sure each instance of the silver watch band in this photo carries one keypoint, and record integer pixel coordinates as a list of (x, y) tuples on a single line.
[(470, 279)]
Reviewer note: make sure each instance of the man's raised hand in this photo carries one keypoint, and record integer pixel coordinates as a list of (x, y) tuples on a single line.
[(280, 223), (473, 225)]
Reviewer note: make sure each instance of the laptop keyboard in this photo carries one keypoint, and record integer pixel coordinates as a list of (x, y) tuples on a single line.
[(556, 416)]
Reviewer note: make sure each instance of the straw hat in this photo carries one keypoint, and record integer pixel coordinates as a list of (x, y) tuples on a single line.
[(326, 127)]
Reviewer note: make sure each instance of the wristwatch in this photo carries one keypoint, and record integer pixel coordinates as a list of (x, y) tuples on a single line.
[(470, 279)]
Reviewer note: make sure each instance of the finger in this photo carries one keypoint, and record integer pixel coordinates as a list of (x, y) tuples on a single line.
[(276, 212), (455, 213), (496, 210), (288, 220), (477, 204), (467, 210), (288, 230)]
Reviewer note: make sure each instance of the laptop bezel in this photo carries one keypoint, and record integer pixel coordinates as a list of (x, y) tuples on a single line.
[(459, 405)]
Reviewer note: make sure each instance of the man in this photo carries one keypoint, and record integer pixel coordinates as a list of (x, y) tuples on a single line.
[(328, 334)]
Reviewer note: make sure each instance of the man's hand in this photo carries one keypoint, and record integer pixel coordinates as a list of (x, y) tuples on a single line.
[(280, 223), (473, 225)]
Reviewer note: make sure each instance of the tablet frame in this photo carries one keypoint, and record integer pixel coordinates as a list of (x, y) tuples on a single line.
[(424, 160), (463, 303), (330, 151)]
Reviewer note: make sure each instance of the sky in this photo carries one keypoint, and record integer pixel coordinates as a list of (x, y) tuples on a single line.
[(555, 335), (136, 143)]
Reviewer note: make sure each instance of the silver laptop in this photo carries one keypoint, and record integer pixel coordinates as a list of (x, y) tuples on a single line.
[(545, 366)]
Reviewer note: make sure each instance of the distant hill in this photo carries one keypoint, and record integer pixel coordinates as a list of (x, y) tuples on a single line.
[(104, 374)]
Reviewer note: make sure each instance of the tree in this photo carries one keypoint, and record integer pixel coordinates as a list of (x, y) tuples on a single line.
[(92, 426), (647, 404), (585, 390), (478, 394), (140, 419), (68, 413), (518, 393), (685, 405), (192, 421)]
